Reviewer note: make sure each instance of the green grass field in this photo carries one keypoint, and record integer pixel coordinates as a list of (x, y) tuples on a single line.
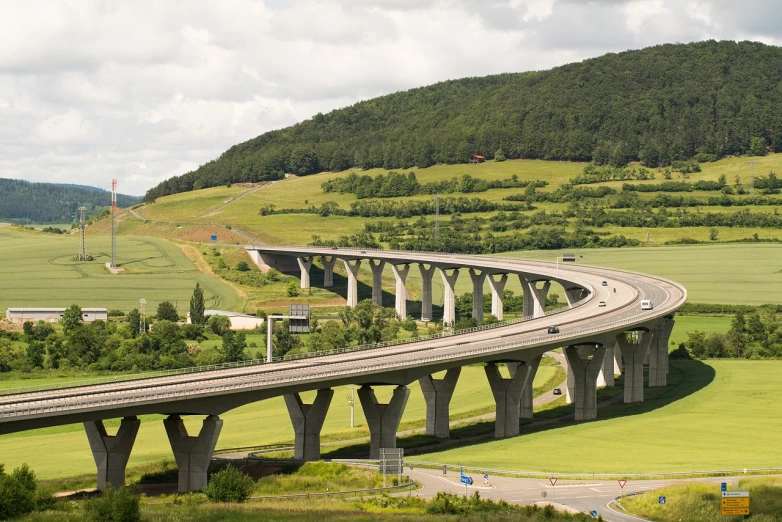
[(703, 420), (38, 270), (264, 422)]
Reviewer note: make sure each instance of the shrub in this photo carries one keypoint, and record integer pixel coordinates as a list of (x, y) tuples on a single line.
[(292, 290), (114, 505), (229, 485), (18, 493), (242, 266)]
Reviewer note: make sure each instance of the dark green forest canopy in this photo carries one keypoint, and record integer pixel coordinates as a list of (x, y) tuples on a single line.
[(656, 105), (52, 203)]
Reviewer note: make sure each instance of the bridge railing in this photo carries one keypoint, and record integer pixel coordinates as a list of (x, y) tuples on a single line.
[(203, 388), (257, 362)]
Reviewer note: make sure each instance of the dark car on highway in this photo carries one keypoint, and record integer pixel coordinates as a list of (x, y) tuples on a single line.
[(553, 329)]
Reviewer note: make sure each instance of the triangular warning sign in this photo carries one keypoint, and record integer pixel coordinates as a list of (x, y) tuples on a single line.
[(622, 483), (553, 481)]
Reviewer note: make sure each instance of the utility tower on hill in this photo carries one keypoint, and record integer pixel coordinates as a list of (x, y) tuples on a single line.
[(82, 255), (113, 223), (142, 320), (752, 164)]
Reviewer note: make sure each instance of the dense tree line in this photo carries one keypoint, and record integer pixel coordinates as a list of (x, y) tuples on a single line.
[(598, 217), (52, 203), (395, 184), (398, 209), (757, 335), (657, 105)]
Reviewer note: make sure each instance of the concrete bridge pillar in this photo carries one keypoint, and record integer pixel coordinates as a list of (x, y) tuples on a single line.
[(658, 353), (507, 398), (531, 368), (449, 299), (477, 294), (193, 454), (382, 419), (608, 363), (437, 394), (377, 280), (633, 355), (111, 452), (352, 270), (618, 365), (400, 301), (574, 295), (305, 263), (307, 420), (328, 271), (534, 302), (497, 288), (426, 292), (585, 362)]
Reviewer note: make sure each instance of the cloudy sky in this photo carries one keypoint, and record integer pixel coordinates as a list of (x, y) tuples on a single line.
[(144, 90)]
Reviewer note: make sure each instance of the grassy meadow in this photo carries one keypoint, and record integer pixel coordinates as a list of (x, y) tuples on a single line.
[(38, 270), (696, 423)]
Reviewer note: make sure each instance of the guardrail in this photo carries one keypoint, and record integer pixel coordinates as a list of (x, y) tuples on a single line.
[(176, 391)]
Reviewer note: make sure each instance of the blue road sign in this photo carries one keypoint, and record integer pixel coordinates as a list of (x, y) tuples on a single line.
[(661, 500), (464, 479), (214, 238), (594, 513), (724, 486), (485, 475)]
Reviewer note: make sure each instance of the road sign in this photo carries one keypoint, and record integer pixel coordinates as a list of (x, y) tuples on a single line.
[(214, 238), (661, 500), (594, 513), (729, 494), (445, 469), (735, 503), (724, 486), (622, 483), (391, 461), (464, 479), (553, 481), (485, 475), (543, 494)]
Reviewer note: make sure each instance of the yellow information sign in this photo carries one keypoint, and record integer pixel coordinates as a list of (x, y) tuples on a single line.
[(735, 506)]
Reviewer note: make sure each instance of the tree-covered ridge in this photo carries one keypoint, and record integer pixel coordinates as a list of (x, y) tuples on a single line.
[(53, 203), (657, 105)]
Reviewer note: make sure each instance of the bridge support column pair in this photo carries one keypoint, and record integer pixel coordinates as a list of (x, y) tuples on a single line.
[(512, 396), (382, 419), (192, 454), (534, 298)]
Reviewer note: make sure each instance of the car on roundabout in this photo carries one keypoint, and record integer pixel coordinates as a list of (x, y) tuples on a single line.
[(601, 303), (605, 283)]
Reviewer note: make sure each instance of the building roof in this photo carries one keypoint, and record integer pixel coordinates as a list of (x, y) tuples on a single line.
[(53, 309), (229, 314), (478, 156)]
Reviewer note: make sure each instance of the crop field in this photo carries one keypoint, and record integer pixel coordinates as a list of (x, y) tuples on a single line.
[(264, 422), (39, 270), (733, 274), (698, 422)]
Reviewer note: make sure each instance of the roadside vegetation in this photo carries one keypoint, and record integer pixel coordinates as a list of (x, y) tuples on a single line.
[(701, 502)]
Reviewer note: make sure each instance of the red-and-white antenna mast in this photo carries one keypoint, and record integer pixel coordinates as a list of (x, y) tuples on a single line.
[(113, 223)]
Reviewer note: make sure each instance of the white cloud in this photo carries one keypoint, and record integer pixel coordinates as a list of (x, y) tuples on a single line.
[(144, 90)]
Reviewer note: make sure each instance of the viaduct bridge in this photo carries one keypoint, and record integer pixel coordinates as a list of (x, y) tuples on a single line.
[(596, 340)]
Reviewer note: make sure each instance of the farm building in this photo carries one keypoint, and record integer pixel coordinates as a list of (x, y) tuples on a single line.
[(238, 321), (477, 158), (52, 315)]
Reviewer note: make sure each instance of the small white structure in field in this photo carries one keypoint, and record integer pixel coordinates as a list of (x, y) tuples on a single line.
[(238, 321), (52, 315)]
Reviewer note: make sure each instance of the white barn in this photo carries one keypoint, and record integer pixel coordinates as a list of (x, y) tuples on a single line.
[(238, 321), (52, 315)]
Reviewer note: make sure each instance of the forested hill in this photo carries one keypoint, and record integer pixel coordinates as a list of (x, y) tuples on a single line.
[(655, 105), (52, 203)]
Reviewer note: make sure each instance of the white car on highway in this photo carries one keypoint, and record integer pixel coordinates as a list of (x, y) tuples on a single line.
[(646, 304)]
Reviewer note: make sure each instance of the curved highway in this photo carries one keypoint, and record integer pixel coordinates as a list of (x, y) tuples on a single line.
[(214, 392)]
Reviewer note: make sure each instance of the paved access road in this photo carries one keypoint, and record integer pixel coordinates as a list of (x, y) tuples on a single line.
[(580, 495)]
